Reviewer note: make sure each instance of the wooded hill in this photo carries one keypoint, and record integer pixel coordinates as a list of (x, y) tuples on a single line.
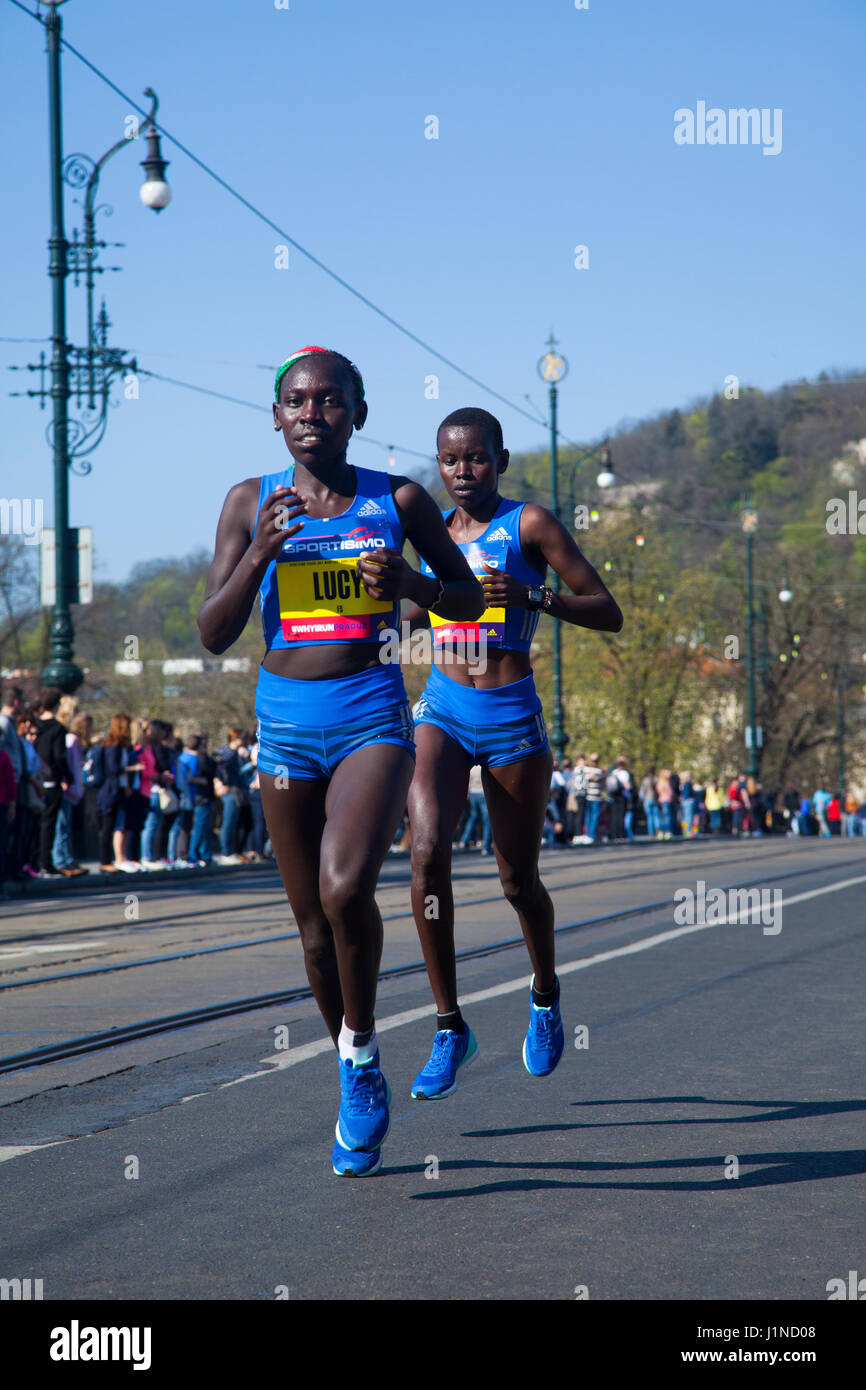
[(667, 689)]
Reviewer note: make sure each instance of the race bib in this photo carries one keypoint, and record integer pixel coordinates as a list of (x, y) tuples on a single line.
[(490, 626), (324, 599)]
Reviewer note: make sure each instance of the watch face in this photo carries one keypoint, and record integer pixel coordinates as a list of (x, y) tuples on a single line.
[(535, 597)]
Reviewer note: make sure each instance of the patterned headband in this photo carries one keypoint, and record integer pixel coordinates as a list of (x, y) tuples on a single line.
[(306, 352)]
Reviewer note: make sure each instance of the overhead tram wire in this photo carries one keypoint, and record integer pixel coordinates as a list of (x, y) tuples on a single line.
[(382, 313), (237, 400), (254, 405), (585, 451), (269, 222)]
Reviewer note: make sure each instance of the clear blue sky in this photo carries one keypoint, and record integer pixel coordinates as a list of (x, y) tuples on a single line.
[(555, 128)]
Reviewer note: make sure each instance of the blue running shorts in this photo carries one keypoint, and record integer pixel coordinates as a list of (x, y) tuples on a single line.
[(306, 728), (495, 727)]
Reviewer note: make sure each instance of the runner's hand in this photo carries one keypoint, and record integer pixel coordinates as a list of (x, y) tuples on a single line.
[(274, 522), (385, 574), (502, 590)]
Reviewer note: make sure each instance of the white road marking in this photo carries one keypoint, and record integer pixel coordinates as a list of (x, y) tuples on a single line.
[(322, 1045), (315, 1049), (70, 948), (8, 1151)]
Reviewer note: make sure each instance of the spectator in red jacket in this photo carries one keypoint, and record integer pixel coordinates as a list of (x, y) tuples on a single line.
[(738, 799), (834, 815)]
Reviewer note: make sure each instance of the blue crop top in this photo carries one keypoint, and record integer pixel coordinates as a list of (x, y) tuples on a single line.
[(499, 546), (312, 593)]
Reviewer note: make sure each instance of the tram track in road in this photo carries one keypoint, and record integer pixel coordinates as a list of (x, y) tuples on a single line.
[(710, 855), (97, 1042), (170, 919), (38, 906), (192, 950)]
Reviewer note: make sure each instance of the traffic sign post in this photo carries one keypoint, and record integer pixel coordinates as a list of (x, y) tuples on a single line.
[(79, 565)]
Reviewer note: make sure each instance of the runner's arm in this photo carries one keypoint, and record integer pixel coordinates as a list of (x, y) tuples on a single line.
[(242, 554), (424, 525), (590, 604)]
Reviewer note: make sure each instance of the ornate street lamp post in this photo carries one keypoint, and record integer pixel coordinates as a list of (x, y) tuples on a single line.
[(552, 367), (749, 524), (87, 373)]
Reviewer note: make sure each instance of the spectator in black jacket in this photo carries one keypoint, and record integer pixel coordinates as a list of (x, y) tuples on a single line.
[(56, 774), (202, 782), (232, 794), (676, 828), (113, 757)]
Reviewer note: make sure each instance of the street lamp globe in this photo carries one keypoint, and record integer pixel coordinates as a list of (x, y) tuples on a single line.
[(785, 594), (607, 477), (154, 192)]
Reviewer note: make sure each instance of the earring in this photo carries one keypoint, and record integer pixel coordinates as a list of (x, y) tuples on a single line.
[(276, 427)]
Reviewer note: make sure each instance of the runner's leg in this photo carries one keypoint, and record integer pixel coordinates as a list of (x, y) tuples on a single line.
[(517, 796), (363, 806), (295, 817), (436, 798)]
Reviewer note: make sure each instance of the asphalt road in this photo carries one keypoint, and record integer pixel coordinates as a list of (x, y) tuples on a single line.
[(707, 1142)]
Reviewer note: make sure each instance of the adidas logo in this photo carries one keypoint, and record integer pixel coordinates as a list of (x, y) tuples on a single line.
[(500, 535), (371, 508)]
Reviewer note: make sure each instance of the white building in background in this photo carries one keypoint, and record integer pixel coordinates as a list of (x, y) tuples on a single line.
[(187, 666)]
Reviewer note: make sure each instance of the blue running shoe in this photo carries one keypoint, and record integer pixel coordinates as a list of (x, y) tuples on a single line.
[(450, 1052), (354, 1163), (545, 1039), (363, 1121)]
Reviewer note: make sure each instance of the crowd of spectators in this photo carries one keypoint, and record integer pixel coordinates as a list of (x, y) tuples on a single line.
[(137, 797), (134, 798), (592, 803)]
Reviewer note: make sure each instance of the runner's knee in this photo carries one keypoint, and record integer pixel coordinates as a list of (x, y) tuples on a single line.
[(317, 941), (521, 887), (431, 856), (346, 897)]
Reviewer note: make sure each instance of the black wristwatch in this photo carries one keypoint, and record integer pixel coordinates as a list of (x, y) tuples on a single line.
[(538, 597)]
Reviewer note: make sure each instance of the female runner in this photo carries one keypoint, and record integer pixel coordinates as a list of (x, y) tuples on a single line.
[(321, 541), (492, 717)]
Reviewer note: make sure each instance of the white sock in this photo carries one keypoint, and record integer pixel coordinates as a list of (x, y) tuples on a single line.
[(347, 1049)]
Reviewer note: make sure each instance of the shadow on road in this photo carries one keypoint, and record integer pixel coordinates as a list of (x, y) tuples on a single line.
[(769, 1169), (774, 1110), (772, 1169)]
